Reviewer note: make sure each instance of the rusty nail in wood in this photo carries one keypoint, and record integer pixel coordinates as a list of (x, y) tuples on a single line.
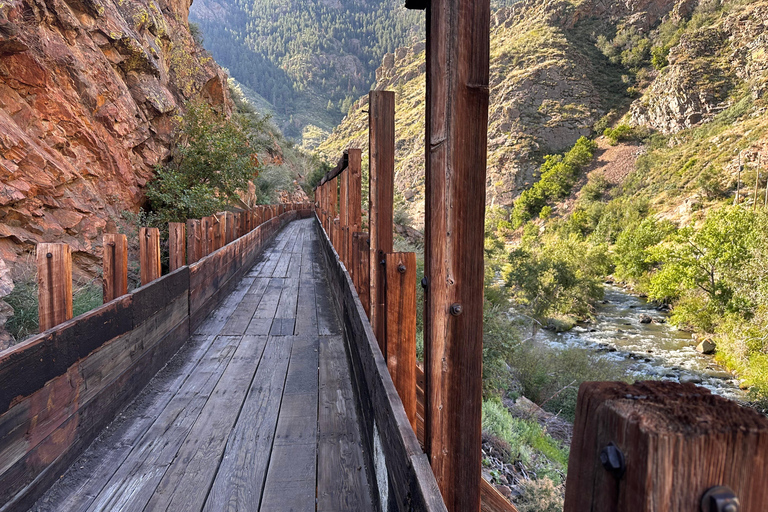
[(49, 255), (456, 309), (424, 282), (401, 268)]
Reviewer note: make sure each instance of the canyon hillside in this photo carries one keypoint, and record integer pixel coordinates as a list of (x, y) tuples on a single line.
[(565, 69)]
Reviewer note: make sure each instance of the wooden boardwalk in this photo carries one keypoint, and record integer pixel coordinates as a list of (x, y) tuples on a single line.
[(255, 413)]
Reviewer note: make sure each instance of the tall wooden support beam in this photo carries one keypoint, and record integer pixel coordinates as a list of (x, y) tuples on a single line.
[(333, 198), (381, 140), (229, 228), (149, 254), (343, 216), (364, 272), (401, 327), (177, 245), (114, 266), (354, 170), (54, 284), (458, 48), (194, 240), (668, 444)]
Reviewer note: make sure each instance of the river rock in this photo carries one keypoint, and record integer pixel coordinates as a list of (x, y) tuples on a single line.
[(690, 379), (706, 347), (505, 491), (645, 319)]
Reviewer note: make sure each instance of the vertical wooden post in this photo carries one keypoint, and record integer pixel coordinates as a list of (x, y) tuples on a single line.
[(149, 254), (354, 264), (114, 266), (194, 241), (220, 231), (381, 133), (458, 49), (364, 290), (207, 226), (343, 215), (177, 245), (229, 229), (54, 284), (401, 327), (354, 170), (677, 441), (333, 196)]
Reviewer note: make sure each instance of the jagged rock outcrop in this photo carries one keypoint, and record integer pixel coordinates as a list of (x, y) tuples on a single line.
[(704, 69), (89, 92)]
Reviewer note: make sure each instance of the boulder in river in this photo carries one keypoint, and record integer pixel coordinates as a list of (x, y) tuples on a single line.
[(690, 379), (645, 319), (707, 346)]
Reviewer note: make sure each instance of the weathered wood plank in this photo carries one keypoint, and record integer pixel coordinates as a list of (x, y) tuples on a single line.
[(241, 475), (677, 441), (177, 245), (238, 321), (186, 483), (149, 254), (342, 482), (115, 266), (401, 327), (458, 48), (54, 284), (261, 322), (381, 140), (89, 474)]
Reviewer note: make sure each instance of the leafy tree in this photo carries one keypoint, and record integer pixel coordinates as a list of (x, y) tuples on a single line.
[(633, 255), (212, 161), (708, 260)]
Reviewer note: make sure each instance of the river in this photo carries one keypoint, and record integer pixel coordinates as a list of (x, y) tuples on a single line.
[(654, 350)]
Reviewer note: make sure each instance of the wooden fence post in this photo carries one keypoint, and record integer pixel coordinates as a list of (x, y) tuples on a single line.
[(229, 229), (207, 227), (177, 245), (114, 266), (54, 284), (401, 327), (354, 265), (381, 134), (457, 57), (665, 445), (343, 215), (149, 254), (364, 273), (194, 241), (354, 170), (220, 231)]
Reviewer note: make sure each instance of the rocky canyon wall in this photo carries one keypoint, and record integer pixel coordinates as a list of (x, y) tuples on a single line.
[(89, 94)]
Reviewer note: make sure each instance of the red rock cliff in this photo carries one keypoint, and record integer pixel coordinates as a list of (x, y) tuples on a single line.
[(88, 94)]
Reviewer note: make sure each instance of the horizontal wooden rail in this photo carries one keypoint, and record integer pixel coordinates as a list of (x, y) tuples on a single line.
[(384, 420)]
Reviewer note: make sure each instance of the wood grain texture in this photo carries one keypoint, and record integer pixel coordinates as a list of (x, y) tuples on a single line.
[(678, 441), (220, 231), (54, 281), (381, 140), (401, 327), (114, 266), (194, 241), (343, 215), (412, 484), (458, 48), (177, 245), (149, 254), (364, 289)]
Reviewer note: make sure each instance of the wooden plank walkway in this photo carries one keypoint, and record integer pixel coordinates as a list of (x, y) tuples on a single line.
[(255, 413)]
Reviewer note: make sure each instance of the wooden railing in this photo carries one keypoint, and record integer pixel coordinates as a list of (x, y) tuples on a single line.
[(657, 446), (384, 281), (187, 243), (59, 389)]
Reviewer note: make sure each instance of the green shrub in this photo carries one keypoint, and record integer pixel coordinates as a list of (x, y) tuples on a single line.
[(557, 176), (660, 57), (213, 160), (545, 212), (525, 437), (618, 134), (540, 495), (595, 188)]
